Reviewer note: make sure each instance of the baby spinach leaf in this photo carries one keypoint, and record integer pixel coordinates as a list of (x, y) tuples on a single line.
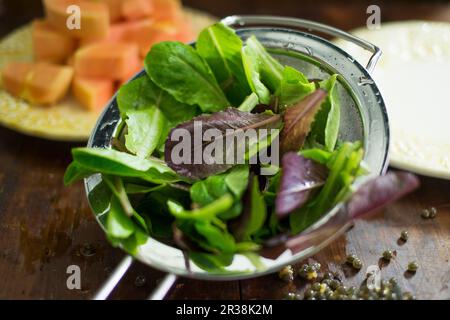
[(221, 48), (225, 156), (249, 103), (179, 69), (253, 214), (207, 212), (270, 70), (299, 178), (118, 223), (318, 155), (237, 180), (294, 87), (214, 263), (76, 172), (216, 238), (122, 164), (298, 119), (325, 128), (143, 93), (145, 128), (99, 198), (250, 59)]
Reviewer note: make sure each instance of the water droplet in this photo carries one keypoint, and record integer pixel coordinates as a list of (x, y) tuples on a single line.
[(87, 250), (309, 51), (363, 81), (140, 281)]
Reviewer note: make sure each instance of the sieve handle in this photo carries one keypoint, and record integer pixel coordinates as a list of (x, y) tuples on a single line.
[(239, 21), (113, 280)]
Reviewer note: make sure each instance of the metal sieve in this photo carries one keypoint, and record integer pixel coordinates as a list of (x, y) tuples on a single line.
[(363, 117)]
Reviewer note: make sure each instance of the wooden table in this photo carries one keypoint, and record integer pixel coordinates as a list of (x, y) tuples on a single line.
[(45, 227)]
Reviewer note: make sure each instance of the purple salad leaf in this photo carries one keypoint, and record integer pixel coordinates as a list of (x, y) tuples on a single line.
[(298, 120), (300, 177), (380, 191), (368, 199), (186, 144)]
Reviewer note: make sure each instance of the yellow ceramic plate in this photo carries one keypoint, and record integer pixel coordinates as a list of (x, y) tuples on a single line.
[(67, 120), (413, 76)]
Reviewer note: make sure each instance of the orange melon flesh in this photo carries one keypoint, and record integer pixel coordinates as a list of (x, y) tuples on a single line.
[(106, 60), (47, 83), (137, 9), (92, 93), (49, 44), (121, 31), (166, 10), (14, 76), (94, 17), (114, 7)]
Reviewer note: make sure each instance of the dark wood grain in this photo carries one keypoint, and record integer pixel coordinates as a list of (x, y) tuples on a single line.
[(45, 227)]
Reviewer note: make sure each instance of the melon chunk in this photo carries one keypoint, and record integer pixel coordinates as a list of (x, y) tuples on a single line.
[(137, 9), (39, 83), (121, 32), (106, 60), (114, 7), (166, 10), (50, 44), (92, 93), (47, 83), (14, 76), (94, 17)]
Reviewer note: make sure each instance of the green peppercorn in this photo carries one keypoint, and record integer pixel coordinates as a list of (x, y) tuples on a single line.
[(309, 293), (408, 296), (393, 281), (342, 290), (350, 258), (292, 296), (328, 275), (433, 212), (357, 264), (315, 286), (286, 274), (387, 255), (425, 214), (334, 284), (404, 235), (316, 266), (413, 266)]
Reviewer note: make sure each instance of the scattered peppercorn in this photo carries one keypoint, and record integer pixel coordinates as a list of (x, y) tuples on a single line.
[(357, 264), (413, 266), (404, 235), (286, 274), (387, 255), (292, 296), (433, 212), (425, 214), (350, 258)]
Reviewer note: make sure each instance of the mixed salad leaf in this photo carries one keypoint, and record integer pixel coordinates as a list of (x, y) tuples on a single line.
[(215, 209)]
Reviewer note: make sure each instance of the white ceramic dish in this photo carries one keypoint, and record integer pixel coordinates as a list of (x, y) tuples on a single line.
[(413, 76)]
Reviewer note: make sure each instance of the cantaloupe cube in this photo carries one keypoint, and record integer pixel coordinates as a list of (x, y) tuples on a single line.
[(14, 76), (121, 32), (106, 60), (166, 10), (94, 17), (137, 9), (47, 83), (49, 44), (92, 93), (115, 9), (40, 83)]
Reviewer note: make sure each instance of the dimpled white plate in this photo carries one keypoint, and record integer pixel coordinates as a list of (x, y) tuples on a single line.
[(413, 75)]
